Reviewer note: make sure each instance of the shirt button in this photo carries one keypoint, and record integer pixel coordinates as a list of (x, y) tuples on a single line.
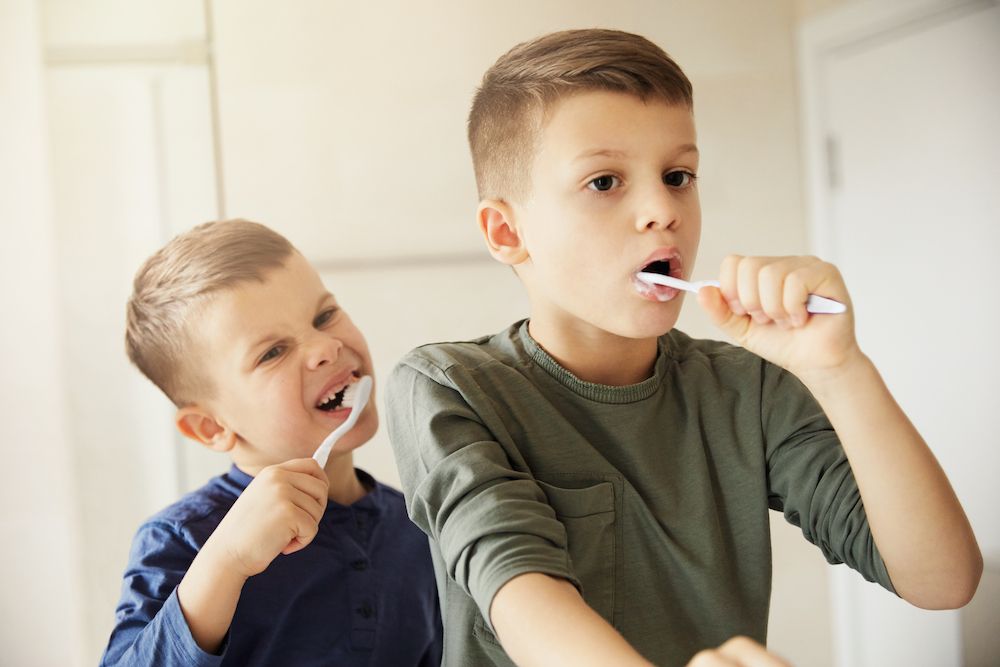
[(360, 565), (365, 611)]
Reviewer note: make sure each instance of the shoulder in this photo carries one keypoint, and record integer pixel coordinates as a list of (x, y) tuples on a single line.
[(191, 519), (703, 362), (714, 356), (443, 361), (499, 347)]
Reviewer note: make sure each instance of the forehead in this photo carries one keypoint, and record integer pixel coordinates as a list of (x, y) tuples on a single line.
[(610, 121), (279, 299)]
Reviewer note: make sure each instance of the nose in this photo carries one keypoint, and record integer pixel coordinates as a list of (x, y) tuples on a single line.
[(321, 350), (658, 210)]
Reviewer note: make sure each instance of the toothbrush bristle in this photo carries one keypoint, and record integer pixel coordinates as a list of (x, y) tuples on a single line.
[(349, 393)]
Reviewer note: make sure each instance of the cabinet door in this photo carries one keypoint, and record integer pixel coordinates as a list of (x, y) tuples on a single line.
[(915, 151)]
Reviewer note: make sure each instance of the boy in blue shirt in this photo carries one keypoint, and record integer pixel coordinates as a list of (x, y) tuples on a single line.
[(597, 484), (278, 561)]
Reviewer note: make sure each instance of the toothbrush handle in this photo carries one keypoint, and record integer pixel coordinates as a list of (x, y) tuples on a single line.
[(323, 453), (822, 305)]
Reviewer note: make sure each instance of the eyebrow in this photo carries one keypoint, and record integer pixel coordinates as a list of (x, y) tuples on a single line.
[(600, 152), (271, 336), (612, 153)]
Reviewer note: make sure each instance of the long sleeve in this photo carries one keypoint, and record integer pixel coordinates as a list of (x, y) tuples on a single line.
[(150, 629), (810, 479), (466, 484)]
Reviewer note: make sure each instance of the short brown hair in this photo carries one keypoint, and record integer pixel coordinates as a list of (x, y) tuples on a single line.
[(172, 283), (509, 108)]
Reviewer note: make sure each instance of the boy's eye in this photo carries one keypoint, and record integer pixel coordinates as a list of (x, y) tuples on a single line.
[(603, 183), (678, 179), (324, 317), (273, 353)]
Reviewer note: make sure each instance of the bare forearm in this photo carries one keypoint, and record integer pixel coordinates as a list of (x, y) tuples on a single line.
[(541, 620), (918, 524), (208, 595)]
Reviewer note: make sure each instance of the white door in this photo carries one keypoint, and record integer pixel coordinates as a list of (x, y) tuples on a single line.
[(909, 116)]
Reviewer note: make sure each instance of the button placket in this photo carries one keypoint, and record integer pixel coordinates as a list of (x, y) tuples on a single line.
[(361, 582)]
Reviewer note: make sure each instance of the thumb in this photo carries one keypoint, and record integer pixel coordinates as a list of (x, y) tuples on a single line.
[(712, 302)]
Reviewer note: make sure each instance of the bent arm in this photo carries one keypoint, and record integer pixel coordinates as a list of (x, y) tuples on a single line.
[(542, 620), (150, 626), (920, 528), (208, 595)]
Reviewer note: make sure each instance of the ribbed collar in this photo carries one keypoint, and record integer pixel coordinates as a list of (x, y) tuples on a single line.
[(601, 393)]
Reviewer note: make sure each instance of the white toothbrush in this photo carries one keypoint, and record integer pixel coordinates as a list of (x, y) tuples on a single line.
[(358, 395), (814, 304)]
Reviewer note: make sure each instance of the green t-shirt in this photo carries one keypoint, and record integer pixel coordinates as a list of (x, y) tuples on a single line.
[(651, 498)]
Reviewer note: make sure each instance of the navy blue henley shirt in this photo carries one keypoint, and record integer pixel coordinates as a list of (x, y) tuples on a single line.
[(362, 593)]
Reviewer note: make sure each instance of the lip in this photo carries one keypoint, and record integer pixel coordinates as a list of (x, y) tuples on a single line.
[(659, 293), (337, 382), (669, 253)]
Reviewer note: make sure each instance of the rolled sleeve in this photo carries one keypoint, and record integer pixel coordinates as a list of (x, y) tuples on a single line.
[(466, 485), (810, 479)]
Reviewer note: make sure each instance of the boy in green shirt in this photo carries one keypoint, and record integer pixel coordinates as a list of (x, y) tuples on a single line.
[(595, 483)]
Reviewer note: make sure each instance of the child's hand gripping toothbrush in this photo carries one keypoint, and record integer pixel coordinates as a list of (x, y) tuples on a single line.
[(355, 397), (814, 304)]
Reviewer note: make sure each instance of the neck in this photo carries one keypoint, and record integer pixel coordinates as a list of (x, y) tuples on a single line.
[(345, 487), (598, 356)]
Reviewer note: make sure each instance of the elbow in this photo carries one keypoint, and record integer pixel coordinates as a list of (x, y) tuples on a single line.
[(952, 589)]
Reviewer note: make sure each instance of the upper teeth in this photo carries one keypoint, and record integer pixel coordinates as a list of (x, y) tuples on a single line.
[(330, 397)]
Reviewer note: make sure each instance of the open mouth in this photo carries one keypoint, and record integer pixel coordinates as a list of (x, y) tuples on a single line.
[(666, 262), (660, 266), (335, 397)]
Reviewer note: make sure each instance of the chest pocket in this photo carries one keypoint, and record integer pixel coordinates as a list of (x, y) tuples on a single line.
[(588, 513)]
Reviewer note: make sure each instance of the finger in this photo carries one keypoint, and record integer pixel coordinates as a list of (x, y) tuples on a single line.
[(714, 304), (711, 658), (794, 296), (748, 286), (306, 502), (772, 287), (748, 653), (319, 489), (308, 466), (297, 474), (305, 531), (727, 283)]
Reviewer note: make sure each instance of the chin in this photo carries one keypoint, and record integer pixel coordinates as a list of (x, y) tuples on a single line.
[(646, 327), (361, 434)]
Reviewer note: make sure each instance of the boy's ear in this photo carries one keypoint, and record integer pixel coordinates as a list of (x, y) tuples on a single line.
[(503, 239), (194, 422)]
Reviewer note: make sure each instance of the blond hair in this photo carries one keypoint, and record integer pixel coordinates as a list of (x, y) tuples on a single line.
[(509, 108), (175, 281)]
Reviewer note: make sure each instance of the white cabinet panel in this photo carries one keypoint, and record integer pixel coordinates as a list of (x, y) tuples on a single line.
[(129, 160), (107, 23)]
